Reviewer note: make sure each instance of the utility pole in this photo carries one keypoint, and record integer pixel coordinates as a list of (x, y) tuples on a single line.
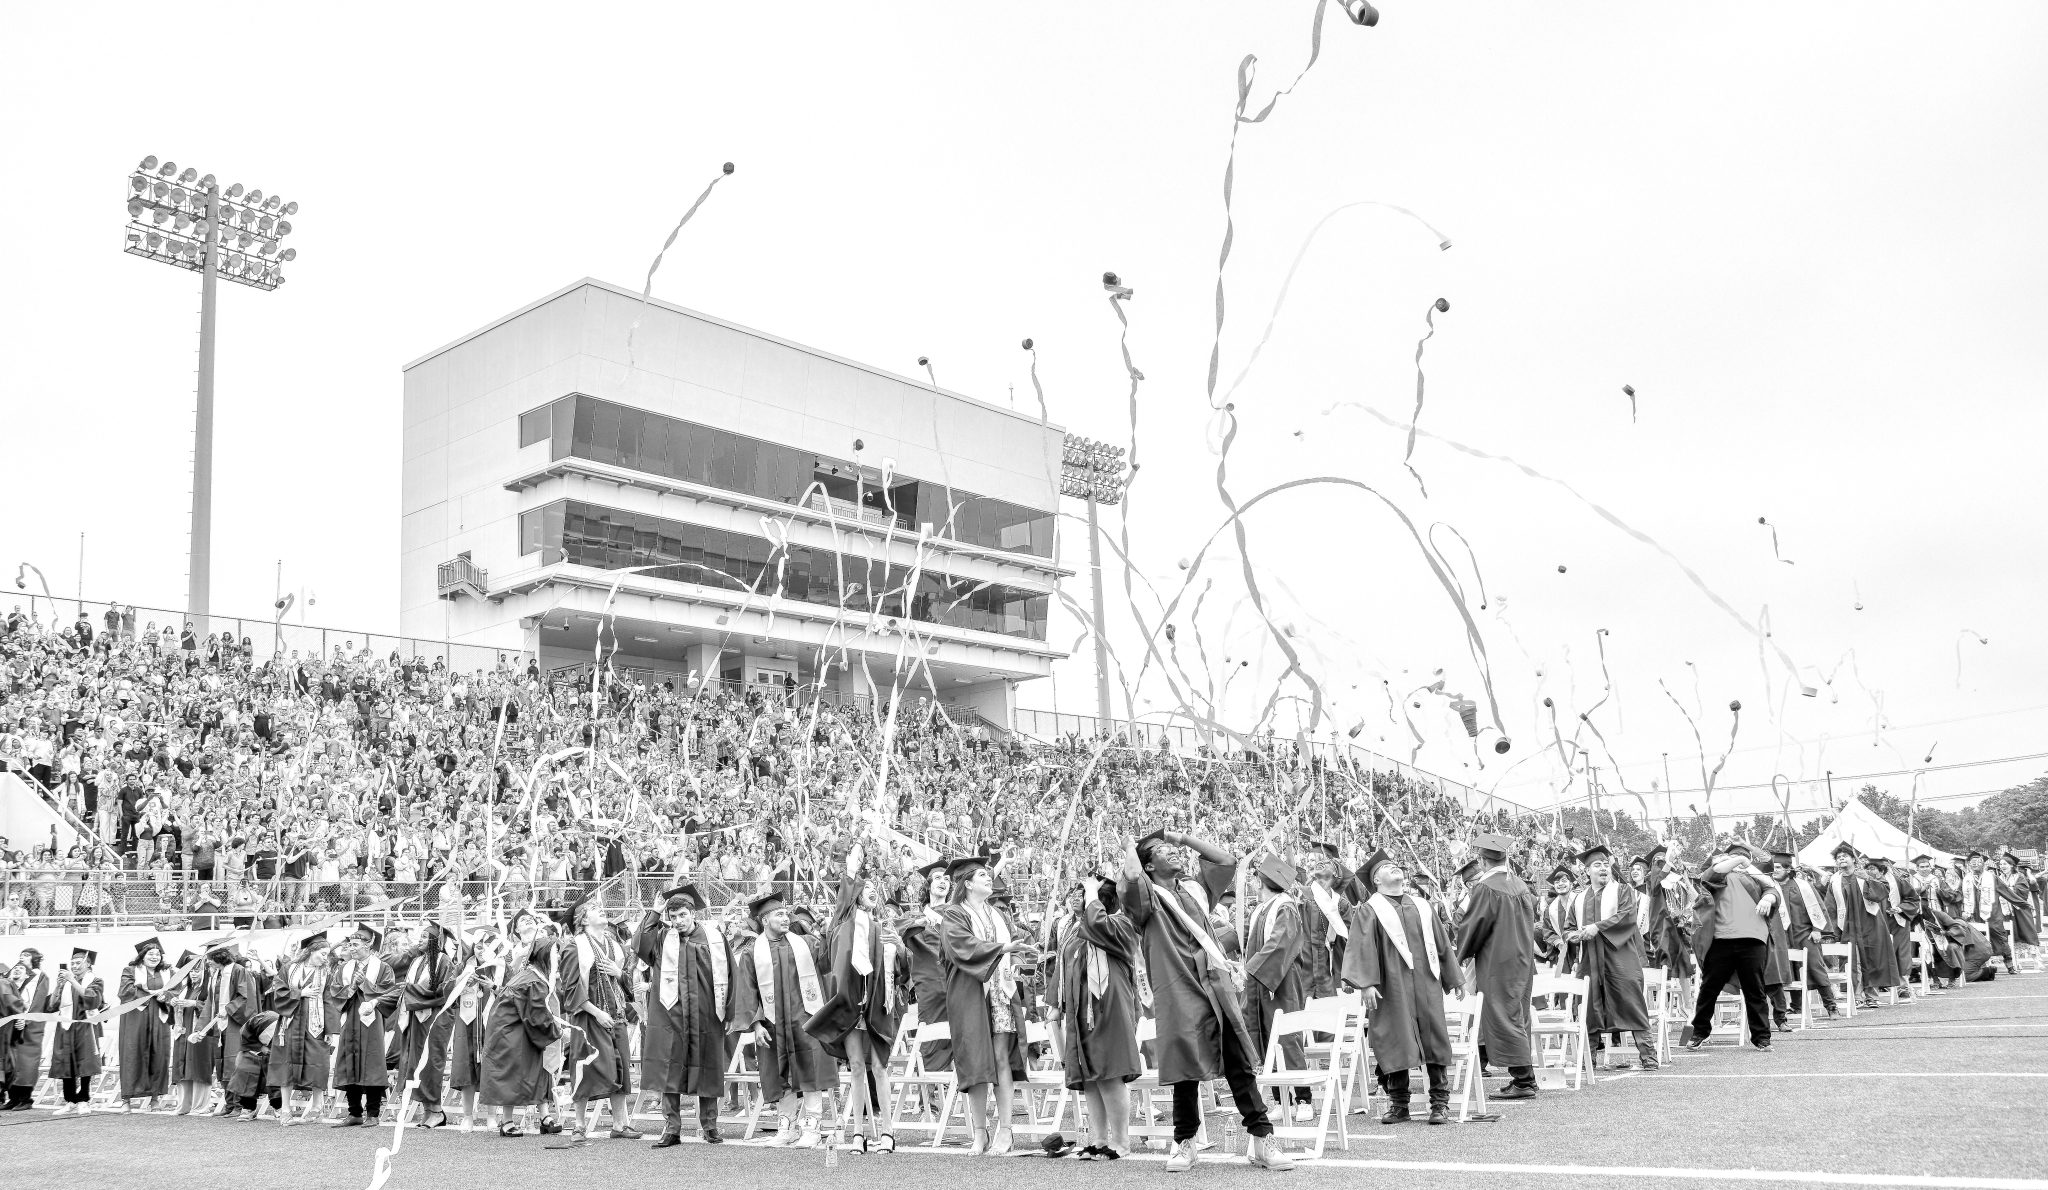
[(1102, 707), (1094, 472)]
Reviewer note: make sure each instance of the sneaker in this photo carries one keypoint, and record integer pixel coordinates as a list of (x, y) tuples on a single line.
[(1265, 1152), (1762, 1047), (1396, 1113), (1439, 1113), (710, 1136), (1304, 1113), (1511, 1091), (1183, 1157)]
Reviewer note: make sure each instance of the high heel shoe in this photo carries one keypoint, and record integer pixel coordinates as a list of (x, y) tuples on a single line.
[(978, 1143)]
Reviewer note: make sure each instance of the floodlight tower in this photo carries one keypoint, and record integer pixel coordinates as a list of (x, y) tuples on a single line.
[(183, 219), (1094, 471)]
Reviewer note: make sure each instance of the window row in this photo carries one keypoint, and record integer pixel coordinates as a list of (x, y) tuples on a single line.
[(585, 427), (611, 539)]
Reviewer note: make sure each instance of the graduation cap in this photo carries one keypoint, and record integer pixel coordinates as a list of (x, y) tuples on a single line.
[(1640, 860), (1921, 856), (1465, 873), (1493, 842), (765, 902), (1001, 892), (313, 943), (184, 956), (1974, 854), (1846, 848), (1595, 854), (375, 937), (1326, 846), (1278, 871), (90, 956), (1561, 872), (1785, 857), (1372, 865), (932, 868), (1157, 838), (567, 915), (146, 945), (1656, 853), (688, 893)]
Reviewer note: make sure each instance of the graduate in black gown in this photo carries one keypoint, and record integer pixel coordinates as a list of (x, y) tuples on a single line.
[(1496, 935), (689, 996), (1401, 959)]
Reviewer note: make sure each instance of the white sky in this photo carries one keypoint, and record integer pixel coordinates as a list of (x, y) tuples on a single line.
[(1809, 236)]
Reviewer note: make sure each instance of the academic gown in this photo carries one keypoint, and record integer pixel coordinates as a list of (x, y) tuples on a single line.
[(466, 1039), (1669, 938), (1407, 1029), (795, 1061), (232, 997), (1098, 1031), (1193, 998), (360, 983), (1276, 974), (75, 1049), (1611, 961), (413, 1003), (1877, 964), (25, 1038), (1901, 908), (682, 1048), (1549, 927), (300, 1053), (970, 964), (517, 1033), (1805, 934), (604, 1057), (1497, 936), (145, 1042), (863, 1002), (10, 1005), (1323, 946), (927, 982), (2018, 894), (192, 1061)]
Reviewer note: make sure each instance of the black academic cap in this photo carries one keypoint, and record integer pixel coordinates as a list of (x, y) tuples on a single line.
[(937, 865), (1470, 869), (1326, 846), (805, 912), (1277, 870), (375, 936), (313, 943), (764, 902), (1372, 865), (1656, 853), (1147, 842), (1974, 854), (1001, 891), (1597, 851), (688, 892), (1560, 872), (91, 956), (143, 947), (1921, 856), (1784, 857), (1493, 842), (1643, 860), (567, 915), (959, 867), (184, 957)]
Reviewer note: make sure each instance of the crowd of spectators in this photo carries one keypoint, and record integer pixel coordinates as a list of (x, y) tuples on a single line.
[(210, 784)]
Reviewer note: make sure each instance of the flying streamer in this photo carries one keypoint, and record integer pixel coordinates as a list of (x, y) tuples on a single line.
[(1629, 391), (1698, 583), (1478, 579), (1408, 458), (1774, 541), (1965, 634), (647, 293)]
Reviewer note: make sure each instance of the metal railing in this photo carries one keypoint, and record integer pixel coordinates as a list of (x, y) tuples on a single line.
[(459, 575), (268, 638)]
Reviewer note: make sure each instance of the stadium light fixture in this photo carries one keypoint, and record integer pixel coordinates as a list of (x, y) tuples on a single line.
[(1094, 471), (194, 213)]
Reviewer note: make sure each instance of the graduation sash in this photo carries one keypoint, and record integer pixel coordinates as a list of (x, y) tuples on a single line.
[(671, 968), (1842, 898), (990, 926), (1390, 922), (808, 988), (1326, 900), (1809, 896), (1171, 900), (1263, 914), (1980, 895)]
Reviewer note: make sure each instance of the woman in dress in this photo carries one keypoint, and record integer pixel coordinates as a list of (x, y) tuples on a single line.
[(192, 1055), (982, 1004), (1095, 1005), (471, 1005), (146, 1031), (920, 933), (426, 976)]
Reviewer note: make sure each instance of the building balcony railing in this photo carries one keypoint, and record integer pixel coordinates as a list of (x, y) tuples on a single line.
[(461, 576)]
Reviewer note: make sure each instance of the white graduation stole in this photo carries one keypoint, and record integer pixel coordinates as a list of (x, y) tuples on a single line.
[(1326, 900), (990, 926), (1168, 898), (1263, 915), (863, 939), (1980, 895), (721, 970), (312, 995), (671, 983), (1809, 896), (1390, 923), (1643, 910), (808, 988)]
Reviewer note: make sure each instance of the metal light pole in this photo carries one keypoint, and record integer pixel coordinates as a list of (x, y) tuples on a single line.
[(196, 219), (1094, 472)]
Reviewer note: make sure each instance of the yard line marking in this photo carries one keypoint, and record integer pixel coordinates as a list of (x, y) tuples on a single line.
[(1870, 1074), (1933, 1182)]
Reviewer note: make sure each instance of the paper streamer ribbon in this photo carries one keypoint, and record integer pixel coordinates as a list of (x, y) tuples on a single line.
[(647, 293), (1408, 458)]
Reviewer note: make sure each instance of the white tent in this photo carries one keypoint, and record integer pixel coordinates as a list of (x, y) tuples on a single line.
[(1862, 829)]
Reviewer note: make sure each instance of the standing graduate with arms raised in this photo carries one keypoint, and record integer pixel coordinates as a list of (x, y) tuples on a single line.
[(1603, 925), (1276, 969), (859, 1020), (689, 993), (1095, 1002), (1194, 991), (360, 980), (599, 1003), (1496, 935), (192, 1044), (1401, 959), (75, 1048)]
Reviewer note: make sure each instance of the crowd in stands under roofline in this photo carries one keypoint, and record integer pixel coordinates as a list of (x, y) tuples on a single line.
[(211, 783)]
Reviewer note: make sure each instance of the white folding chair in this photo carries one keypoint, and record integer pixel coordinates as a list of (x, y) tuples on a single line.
[(1325, 1081), (1796, 997), (1461, 1019), (748, 1084), (915, 1077), (1557, 1031), (1657, 993), (1347, 1040), (1923, 966), (1841, 979), (1045, 1080)]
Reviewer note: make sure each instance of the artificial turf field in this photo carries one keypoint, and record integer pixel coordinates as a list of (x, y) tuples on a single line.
[(1944, 1092)]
